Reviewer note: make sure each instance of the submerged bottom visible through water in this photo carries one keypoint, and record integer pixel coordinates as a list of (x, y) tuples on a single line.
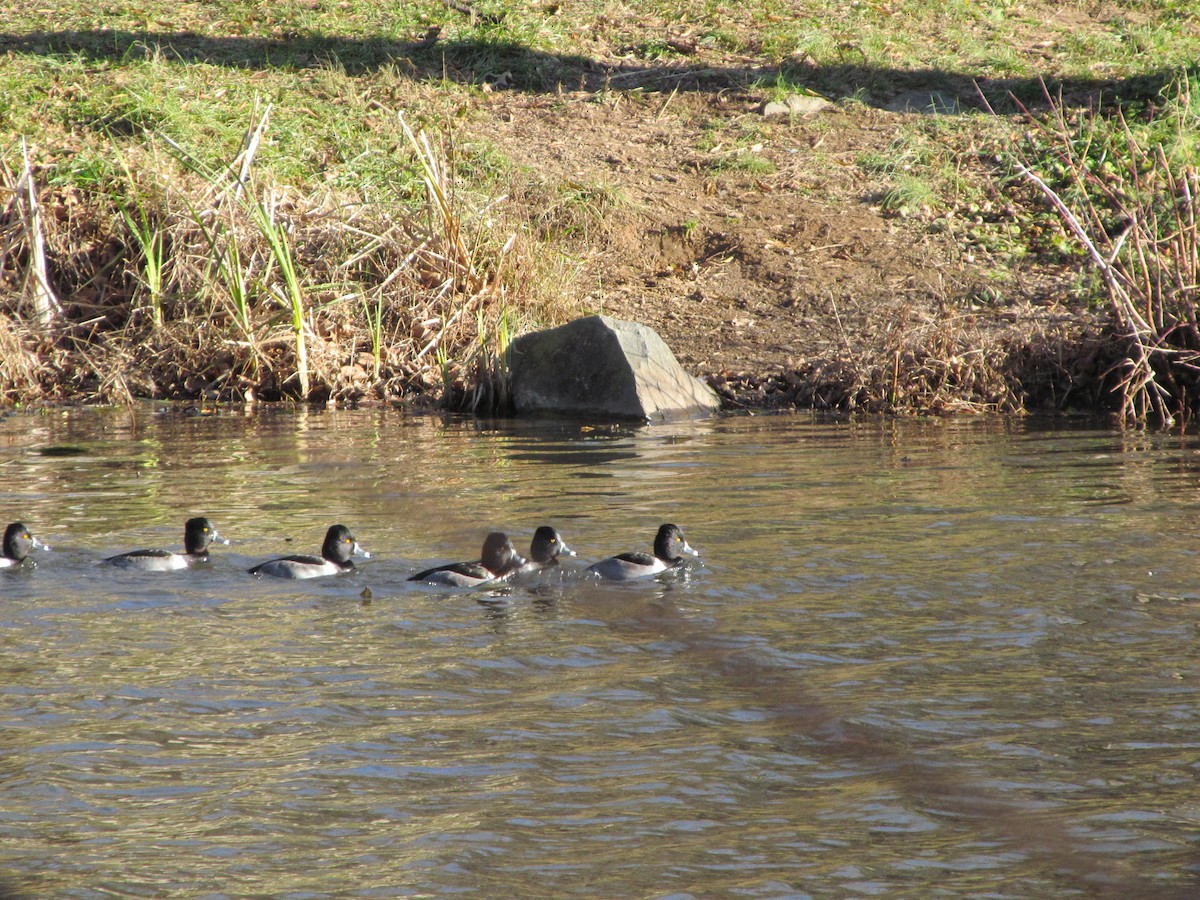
[(914, 659)]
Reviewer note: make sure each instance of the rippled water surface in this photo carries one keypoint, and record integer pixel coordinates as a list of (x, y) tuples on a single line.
[(915, 660)]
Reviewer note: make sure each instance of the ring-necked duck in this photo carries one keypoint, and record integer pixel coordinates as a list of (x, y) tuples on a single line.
[(198, 533), (668, 544), (18, 542), (498, 560), (547, 544), (339, 546)]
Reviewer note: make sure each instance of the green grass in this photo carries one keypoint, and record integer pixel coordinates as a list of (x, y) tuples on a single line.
[(779, 86), (911, 195), (743, 162), (334, 71), (932, 168)]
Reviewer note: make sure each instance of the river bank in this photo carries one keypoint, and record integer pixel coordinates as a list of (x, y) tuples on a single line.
[(334, 206)]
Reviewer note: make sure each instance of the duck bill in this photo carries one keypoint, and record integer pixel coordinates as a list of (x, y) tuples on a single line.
[(563, 548), (217, 539), (688, 549), (359, 552), (38, 545)]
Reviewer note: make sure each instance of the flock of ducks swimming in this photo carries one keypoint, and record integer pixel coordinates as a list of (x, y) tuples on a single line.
[(499, 560)]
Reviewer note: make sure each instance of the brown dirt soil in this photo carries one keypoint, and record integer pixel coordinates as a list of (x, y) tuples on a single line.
[(789, 286)]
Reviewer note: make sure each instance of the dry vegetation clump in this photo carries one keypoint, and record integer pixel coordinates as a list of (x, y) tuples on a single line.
[(182, 281), (944, 364), (1127, 193), (23, 370)]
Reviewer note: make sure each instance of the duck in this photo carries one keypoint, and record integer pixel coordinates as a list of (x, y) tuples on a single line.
[(339, 546), (198, 533), (544, 550), (498, 560), (18, 543), (668, 544)]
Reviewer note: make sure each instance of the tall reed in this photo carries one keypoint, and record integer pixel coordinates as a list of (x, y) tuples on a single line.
[(286, 286), (150, 240), (149, 235), (373, 314), (475, 285), (288, 289)]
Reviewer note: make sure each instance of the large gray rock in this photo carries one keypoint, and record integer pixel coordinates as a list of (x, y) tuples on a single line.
[(604, 367)]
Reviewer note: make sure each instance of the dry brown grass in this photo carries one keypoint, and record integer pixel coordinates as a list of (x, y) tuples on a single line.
[(262, 293), (1129, 195)]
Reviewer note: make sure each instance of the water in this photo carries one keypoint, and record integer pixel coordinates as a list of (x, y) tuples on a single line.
[(938, 659)]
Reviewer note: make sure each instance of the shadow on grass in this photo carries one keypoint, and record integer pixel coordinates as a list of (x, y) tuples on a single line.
[(479, 61)]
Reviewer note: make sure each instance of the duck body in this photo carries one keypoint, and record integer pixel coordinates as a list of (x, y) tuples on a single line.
[(19, 542), (498, 560), (544, 551), (301, 566), (198, 534), (153, 560), (669, 543), (461, 574), (336, 551)]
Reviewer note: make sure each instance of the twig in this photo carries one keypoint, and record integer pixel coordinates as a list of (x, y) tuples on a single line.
[(45, 302), (468, 10), (251, 151), (662, 109)]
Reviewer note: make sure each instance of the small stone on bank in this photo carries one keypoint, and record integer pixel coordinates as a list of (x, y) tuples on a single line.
[(795, 105)]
